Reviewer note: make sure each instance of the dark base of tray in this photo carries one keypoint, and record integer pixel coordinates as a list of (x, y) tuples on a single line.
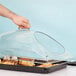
[(72, 63), (32, 69)]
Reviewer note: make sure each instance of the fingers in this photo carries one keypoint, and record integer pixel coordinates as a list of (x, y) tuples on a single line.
[(21, 22), (24, 25), (26, 20)]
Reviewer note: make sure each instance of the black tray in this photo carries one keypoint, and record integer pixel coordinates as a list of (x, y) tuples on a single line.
[(72, 63), (34, 69)]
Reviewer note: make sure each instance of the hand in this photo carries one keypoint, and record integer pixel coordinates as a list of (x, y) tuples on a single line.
[(21, 22)]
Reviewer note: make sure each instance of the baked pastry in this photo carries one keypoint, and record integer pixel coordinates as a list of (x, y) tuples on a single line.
[(7, 62), (10, 60), (26, 62), (14, 60), (46, 65), (0, 61), (6, 58)]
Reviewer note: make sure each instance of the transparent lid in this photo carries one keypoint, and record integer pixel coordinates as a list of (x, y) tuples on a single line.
[(26, 43)]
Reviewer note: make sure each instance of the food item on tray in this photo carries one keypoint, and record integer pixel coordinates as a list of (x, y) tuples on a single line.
[(46, 65), (26, 62), (0, 60), (14, 60), (6, 58), (9, 60)]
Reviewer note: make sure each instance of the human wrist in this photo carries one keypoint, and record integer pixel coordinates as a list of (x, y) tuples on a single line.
[(12, 15)]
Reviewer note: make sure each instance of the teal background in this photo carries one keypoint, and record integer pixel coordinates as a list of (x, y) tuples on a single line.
[(54, 17)]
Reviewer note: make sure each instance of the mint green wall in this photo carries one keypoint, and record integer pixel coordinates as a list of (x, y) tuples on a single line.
[(54, 17)]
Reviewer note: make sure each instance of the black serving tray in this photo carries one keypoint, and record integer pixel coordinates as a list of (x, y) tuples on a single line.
[(72, 63), (34, 69)]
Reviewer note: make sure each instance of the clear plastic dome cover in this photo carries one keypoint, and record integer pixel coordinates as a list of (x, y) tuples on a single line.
[(26, 43)]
